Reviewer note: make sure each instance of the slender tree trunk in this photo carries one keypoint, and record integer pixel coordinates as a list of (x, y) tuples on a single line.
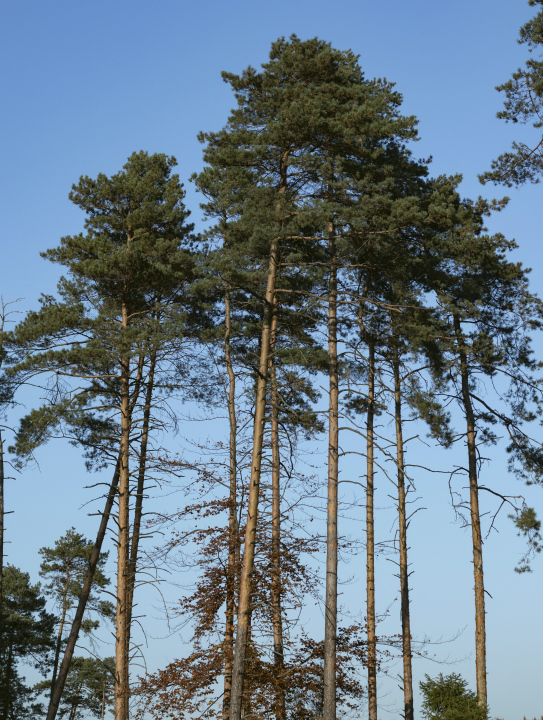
[(138, 509), (330, 611), (83, 598), (9, 694), (246, 705), (402, 523), (477, 540), (60, 631), (233, 528), (238, 670), (244, 606), (278, 652), (103, 699), (122, 629), (73, 709), (370, 542)]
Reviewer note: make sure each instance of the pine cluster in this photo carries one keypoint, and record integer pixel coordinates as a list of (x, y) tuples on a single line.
[(338, 289)]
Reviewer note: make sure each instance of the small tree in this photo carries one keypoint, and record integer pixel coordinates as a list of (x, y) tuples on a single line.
[(89, 688), (64, 566), (27, 638), (448, 698)]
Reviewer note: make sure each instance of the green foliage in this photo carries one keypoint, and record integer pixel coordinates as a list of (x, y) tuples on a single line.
[(448, 698), (26, 637), (523, 104), (529, 526), (64, 567), (272, 174), (135, 254), (135, 223), (89, 686)]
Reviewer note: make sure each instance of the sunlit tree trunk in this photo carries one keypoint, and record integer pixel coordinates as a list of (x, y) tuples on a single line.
[(233, 527), (370, 541), (138, 514), (238, 670), (122, 618), (477, 540), (402, 532), (278, 653), (330, 611)]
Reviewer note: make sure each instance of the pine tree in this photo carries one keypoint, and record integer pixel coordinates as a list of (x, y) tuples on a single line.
[(89, 688), (523, 104), (486, 314), (237, 267), (123, 304), (351, 146), (269, 220), (27, 638), (448, 698), (64, 567)]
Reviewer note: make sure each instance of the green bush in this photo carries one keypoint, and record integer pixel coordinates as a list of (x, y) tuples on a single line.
[(448, 698)]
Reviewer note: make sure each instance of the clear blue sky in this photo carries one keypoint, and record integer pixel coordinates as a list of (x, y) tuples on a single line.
[(86, 84)]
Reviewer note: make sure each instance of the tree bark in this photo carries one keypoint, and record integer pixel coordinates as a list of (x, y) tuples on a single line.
[(9, 695), (278, 652), (233, 527), (477, 540), (402, 531), (244, 606), (330, 611), (73, 709), (370, 541), (60, 631), (138, 509), (83, 598), (238, 670), (122, 625)]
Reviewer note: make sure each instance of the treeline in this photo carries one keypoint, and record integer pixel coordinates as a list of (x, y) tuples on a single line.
[(330, 253)]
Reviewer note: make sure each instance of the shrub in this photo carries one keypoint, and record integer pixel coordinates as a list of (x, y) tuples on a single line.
[(449, 698)]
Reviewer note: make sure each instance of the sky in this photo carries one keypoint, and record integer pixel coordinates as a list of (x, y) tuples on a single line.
[(86, 84)]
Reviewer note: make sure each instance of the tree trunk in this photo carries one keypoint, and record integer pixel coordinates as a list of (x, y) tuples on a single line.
[(9, 695), (480, 632), (122, 628), (402, 525), (60, 631), (83, 598), (238, 670), (370, 542), (278, 652), (73, 709), (246, 704), (330, 611), (233, 527), (138, 510)]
